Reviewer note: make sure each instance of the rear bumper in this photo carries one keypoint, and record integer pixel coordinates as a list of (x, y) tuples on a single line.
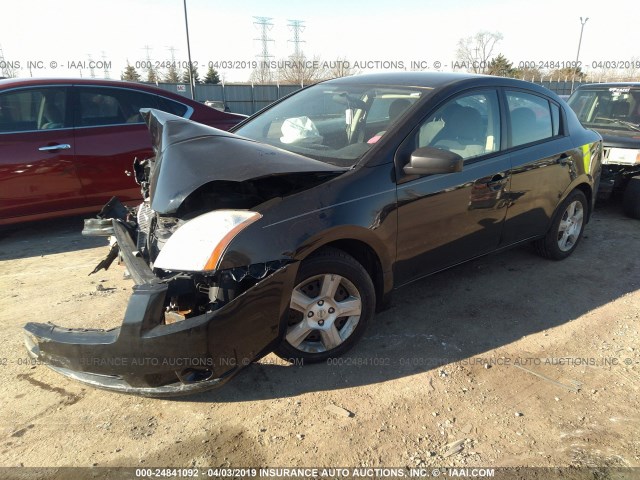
[(145, 356)]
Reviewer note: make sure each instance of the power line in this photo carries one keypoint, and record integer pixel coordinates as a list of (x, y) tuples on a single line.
[(297, 27), (91, 69), (264, 25), (106, 65)]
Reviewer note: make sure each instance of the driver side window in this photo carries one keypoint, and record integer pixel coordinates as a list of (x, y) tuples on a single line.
[(468, 125)]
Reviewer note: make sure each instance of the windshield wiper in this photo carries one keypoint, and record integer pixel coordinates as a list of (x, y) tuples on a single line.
[(621, 122)]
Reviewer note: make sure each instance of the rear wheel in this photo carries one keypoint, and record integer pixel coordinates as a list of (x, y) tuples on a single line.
[(631, 199), (330, 306), (566, 229)]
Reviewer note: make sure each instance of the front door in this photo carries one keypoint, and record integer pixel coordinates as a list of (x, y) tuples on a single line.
[(37, 170), (445, 219)]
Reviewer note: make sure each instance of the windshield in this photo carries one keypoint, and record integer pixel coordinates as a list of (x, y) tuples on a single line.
[(616, 108), (334, 123)]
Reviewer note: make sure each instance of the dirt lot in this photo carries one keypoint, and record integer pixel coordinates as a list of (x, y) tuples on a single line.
[(416, 383)]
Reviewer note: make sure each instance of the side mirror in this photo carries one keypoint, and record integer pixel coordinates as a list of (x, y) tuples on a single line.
[(428, 160)]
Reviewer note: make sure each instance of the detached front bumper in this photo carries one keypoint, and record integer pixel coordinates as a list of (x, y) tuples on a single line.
[(145, 356)]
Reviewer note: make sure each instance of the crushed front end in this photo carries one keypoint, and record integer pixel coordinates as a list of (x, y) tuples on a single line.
[(200, 310), (181, 333)]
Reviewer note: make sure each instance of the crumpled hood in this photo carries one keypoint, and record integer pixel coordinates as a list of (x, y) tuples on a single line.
[(189, 155)]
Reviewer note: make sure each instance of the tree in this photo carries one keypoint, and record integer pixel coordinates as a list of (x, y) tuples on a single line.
[(527, 73), (340, 67), (8, 68), (152, 75), (130, 74), (261, 75), (172, 75), (194, 72), (474, 53), (568, 73), (212, 76), (500, 66), (298, 70), (630, 74)]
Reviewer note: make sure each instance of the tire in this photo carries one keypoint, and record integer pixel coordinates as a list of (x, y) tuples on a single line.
[(315, 332), (566, 229), (631, 199)]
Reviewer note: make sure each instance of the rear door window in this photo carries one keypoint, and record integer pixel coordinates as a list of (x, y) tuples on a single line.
[(530, 118), (102, 106)]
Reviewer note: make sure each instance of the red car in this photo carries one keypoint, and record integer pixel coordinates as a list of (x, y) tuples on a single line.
[(66, 145)]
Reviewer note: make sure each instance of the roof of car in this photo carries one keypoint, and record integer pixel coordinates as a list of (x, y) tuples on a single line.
[(610, 84), (50, 80), (441, 80), (422, 79), (31, 82)]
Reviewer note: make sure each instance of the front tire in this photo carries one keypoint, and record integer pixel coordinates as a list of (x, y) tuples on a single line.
[(330, 306), (566, 229), (631, 199)]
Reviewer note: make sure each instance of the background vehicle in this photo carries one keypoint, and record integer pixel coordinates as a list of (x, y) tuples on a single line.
[(65, 145), (335, 196), (613, 110)]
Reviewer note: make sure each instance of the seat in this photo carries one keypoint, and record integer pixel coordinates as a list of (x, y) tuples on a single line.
[(54, 116), (620, 109), (396, 108), (464, 133)]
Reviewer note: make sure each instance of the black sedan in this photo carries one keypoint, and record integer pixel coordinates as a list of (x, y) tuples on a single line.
[(289, 233)]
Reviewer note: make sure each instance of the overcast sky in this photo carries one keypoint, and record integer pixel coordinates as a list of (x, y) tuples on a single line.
[(366, 31)]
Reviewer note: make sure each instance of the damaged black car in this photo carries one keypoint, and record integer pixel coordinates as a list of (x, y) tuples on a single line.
[(289, 233)]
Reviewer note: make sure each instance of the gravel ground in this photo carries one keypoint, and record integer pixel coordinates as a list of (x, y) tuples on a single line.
[(562, 389)]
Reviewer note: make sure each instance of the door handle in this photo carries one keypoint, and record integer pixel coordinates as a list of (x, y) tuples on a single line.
[(564, 159), (496, 180), (53, 148)]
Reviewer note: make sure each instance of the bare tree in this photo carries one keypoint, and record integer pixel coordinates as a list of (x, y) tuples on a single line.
[(340, 67), (299, 70), (529, 73), (262, 75), (474, 53), (632, 72), (8, 69), (567, 73)]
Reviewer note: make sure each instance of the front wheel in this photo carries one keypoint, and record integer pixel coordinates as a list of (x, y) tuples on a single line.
[(330, 306), (566, 229)]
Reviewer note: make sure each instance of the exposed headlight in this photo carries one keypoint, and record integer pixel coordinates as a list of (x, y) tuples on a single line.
[(623, 156), (198, 245)]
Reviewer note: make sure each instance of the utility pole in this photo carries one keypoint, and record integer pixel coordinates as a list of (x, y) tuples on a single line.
[(264, 24), (105, 65), (91, 69), (149, 67), (582, 22), (297, 27), (186, 24)]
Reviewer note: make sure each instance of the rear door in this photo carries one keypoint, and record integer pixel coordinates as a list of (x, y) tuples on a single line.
[(110, 134), (37, 171), (542, 165)]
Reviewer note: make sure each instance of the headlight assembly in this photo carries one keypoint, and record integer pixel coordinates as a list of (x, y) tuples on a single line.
[(623, 156), (199, 244)]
